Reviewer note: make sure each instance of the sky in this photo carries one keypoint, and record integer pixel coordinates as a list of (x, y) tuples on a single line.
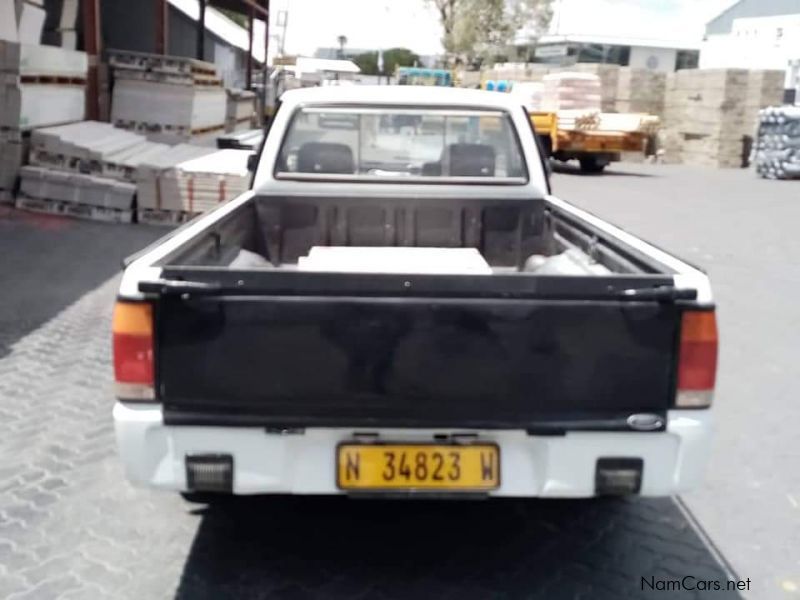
[(373, 24)]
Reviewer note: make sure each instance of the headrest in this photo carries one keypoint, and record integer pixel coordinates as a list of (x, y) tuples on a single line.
[(471, 160), (319, 157)]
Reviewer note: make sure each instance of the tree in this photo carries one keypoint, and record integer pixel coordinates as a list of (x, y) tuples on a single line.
[(342, 39), (474, 30), (392, 58)]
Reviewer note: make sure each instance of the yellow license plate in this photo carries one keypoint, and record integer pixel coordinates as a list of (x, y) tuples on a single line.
[(474, 467)]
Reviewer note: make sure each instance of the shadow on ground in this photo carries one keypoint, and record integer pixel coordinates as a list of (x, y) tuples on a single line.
[(572, 168), (309, 547), (48, 262)]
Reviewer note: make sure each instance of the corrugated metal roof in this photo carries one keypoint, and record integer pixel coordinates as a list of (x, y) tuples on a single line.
[(723, 23)]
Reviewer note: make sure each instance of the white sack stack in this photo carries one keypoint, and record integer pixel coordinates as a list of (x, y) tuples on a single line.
[(569, 91), (168, 99), (777, 151)]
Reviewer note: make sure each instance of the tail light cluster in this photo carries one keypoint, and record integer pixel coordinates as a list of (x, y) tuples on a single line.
[(697, 359), (133, 350)]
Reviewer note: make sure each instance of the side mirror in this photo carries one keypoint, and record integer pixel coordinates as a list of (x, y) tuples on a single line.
[(252, 162)]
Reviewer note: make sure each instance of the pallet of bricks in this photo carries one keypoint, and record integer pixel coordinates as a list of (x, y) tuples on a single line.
[(710, 115), (86, 170), (167, 98), (777, 151), (39, 86)]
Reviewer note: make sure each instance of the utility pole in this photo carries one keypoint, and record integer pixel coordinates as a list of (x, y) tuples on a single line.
[(201, 32), (93, 45), (249, 75), (266, 62), (162, 27)]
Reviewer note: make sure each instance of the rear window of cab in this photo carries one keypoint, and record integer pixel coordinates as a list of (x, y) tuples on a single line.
[(398, 144)]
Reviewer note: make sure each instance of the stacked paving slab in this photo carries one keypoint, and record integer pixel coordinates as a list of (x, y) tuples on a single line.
[(166, 98), (85, 170), (710, 114), (198, 184), (39, 86), (777, 152), (94, 170), (640, 91), (240, 110)]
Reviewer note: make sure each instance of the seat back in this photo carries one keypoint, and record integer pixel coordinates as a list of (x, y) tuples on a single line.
[(470, 160), (322, 157)]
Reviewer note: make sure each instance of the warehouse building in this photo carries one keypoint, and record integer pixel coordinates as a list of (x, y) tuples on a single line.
[(126, 25), (655, 55), (757, 34)]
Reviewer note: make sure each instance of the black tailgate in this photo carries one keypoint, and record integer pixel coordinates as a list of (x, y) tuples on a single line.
[(295, 361)]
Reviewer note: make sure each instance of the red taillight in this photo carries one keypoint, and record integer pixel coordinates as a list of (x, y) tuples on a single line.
[(697, 359), (133, 350)]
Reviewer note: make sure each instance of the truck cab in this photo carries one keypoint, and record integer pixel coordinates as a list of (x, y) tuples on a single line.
[(409, 311)]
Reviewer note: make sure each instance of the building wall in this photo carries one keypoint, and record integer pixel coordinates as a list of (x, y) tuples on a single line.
[(654, 59), (756, 43), (723, 23)]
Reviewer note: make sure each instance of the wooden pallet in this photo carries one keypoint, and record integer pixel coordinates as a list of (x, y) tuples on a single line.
[(170, 77), (51, 80), (69, 209)]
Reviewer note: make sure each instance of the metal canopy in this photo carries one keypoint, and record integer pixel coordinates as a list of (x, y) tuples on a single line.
[(241, 6)]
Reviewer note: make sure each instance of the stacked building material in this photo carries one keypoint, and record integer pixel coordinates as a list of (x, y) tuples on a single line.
[(85, 169), (577, 119), (640, 91), (156, 208), (628, 122), (517, 72), (240, 110), (39, 86), (75, 194), (530, 93), (710, 115), (92, 147), (199, 184), (570, 90), (168, 99), (777, 151), (608, 76), (243, 140)]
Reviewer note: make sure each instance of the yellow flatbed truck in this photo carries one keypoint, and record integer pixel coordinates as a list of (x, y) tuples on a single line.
[(591, 148)]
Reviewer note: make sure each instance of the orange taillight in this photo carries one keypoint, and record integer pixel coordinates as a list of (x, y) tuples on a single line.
[(133, 349), (697, 358)]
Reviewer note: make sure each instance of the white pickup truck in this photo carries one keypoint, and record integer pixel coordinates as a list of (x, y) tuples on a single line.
[(399, 306)]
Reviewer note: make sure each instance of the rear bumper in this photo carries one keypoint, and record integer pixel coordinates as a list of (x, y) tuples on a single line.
[(154, 455)]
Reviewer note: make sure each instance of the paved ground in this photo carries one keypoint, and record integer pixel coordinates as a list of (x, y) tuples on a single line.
[(741, 230), (71, 527)]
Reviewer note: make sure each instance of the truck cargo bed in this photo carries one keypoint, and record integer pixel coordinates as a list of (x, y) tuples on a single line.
[(275, 346)]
